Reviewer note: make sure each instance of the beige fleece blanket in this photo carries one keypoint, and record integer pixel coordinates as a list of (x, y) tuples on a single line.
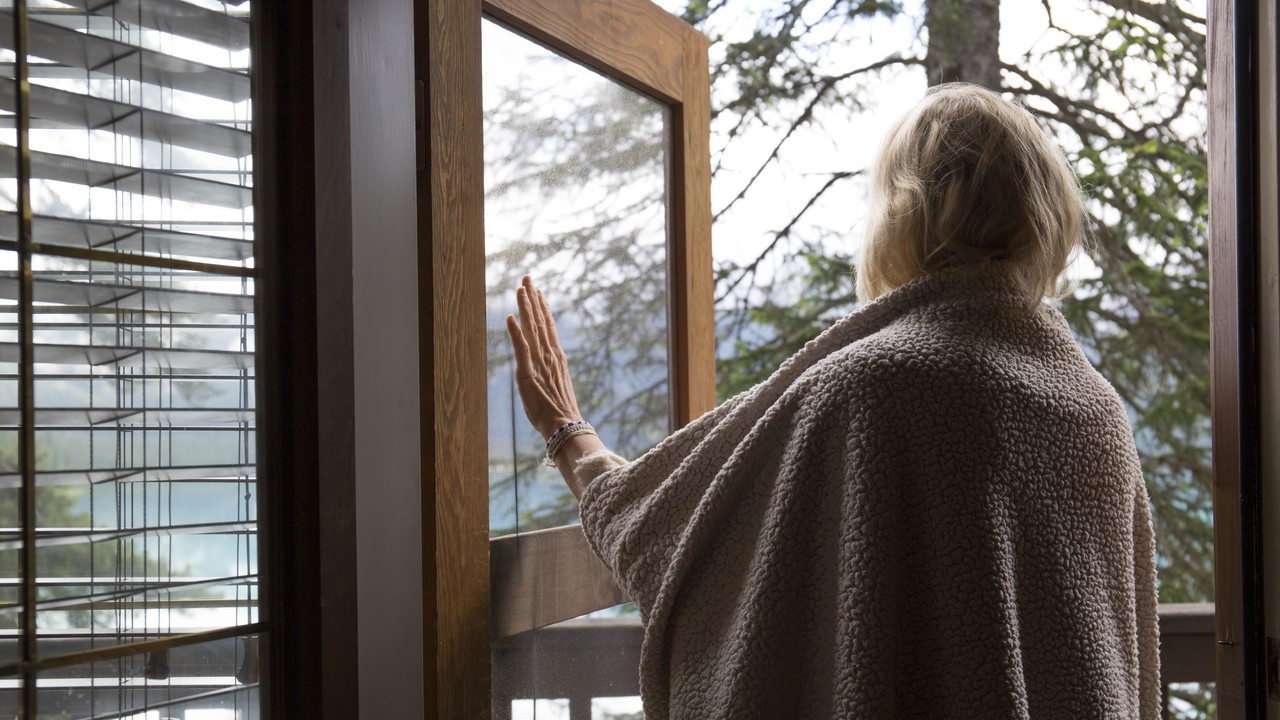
[(933, 510)]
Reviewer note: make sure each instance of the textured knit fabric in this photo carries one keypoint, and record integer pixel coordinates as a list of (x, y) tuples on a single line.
[(933, 510)]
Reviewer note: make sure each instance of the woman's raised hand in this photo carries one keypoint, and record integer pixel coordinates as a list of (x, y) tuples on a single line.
[(542, 368)]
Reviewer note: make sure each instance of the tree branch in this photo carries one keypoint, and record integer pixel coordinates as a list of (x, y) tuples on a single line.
[(779, 235), (825, 86)]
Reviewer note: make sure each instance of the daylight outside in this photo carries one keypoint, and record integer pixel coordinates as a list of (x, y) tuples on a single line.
[(802, 92)]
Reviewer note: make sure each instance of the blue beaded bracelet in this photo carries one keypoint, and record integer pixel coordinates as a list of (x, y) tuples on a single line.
[(562, 435)]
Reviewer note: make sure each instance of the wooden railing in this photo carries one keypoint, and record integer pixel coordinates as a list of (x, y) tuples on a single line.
[(588, 658)]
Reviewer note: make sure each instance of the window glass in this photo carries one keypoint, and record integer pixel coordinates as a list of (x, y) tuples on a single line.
[(585, 667), (576, 196), (576, 183)]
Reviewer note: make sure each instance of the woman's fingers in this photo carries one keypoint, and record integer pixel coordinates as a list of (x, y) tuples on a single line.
[(539, 325), (518, 343), (539, 313), (542, 373), (525, 304), (553, 337)]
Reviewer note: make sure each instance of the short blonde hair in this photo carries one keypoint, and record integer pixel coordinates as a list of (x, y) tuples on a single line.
[(967, 177)]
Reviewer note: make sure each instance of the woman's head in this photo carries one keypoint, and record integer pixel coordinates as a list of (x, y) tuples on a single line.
[(967, 177)]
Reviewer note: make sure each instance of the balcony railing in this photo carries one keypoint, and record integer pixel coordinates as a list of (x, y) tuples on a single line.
[(584, 659), (576, 661)]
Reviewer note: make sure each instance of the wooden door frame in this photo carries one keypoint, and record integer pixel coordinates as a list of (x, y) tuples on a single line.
[(456, 550), (1234, 372)]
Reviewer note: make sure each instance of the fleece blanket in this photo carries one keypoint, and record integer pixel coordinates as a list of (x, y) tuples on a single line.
[(933, 510)]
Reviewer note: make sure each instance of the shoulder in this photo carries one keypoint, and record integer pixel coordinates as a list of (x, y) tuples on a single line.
[(909, 352), (963, 358)]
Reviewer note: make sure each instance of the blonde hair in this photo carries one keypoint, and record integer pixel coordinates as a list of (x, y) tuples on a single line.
[(967, 177)]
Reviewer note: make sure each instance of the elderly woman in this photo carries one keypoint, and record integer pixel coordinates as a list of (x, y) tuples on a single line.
[(933, 510)]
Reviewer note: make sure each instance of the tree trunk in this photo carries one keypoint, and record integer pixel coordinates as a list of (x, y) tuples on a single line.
[(964, 42)]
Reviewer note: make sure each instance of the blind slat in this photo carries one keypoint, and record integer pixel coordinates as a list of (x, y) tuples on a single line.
[(152, 585), (73, 232), (105, 355), (77, 110), (103, 418), (54, 538), (154, 183), (167, 474), (128, 297), (116, 59)]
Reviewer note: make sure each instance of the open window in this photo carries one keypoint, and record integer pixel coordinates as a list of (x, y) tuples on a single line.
[(568, 140)]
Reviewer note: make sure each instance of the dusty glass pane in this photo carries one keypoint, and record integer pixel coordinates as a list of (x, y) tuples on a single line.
[(575, 195), (584, 667)]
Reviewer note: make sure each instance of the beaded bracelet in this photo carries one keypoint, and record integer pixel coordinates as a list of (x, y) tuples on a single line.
[(562, 435)]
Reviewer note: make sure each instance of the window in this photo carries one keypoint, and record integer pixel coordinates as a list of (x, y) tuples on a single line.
[(637, 76), (128, 489), (590, 218)]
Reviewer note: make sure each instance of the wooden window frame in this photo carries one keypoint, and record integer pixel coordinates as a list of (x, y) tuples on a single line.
[(1234, 251), (652, 52)]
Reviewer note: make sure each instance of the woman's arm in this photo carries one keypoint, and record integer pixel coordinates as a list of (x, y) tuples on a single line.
[(546, 390), (570, 459)]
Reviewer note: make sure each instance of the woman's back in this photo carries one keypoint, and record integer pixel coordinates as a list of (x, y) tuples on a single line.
[(927, 519)]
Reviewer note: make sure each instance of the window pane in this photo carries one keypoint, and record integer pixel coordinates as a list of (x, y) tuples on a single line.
[(575, 195), (592, 660), (148, 152)]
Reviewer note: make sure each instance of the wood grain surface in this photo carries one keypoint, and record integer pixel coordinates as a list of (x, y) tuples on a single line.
[(633, 41), (451, 312), (544, 577), (695, 303), (1225, 359)]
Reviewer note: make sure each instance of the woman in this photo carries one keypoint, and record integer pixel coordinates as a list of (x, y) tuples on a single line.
[(933, 510)]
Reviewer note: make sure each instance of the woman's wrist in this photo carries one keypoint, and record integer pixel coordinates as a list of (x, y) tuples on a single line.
[(569, 458), (547, 429), (562, 435)]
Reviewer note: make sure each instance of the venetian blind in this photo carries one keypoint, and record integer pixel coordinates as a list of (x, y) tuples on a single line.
[(128, 497)]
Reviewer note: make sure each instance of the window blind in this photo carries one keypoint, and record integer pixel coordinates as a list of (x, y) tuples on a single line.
[(128, 493)]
